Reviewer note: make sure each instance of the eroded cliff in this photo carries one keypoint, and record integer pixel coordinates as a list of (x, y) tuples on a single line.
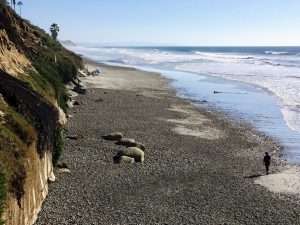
[(33, 71)]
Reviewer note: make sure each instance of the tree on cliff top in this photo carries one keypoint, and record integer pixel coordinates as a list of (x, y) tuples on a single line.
[(54, 29), (20, 4)]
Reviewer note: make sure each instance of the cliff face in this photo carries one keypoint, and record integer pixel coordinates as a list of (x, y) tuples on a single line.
[(33, 70)]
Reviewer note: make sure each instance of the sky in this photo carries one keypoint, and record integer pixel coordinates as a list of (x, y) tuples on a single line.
[(174, 22)]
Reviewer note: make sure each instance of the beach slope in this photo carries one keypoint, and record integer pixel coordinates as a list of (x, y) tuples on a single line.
[(198, 169)]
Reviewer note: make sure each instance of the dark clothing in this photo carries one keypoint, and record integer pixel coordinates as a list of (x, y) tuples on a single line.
[(267, 168), (267, 161)]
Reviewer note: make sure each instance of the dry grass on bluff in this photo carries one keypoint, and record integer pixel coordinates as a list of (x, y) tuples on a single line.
[(16, 136)]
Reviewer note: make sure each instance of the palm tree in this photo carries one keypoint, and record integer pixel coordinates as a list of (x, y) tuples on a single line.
[(20, 4), (54, 29)]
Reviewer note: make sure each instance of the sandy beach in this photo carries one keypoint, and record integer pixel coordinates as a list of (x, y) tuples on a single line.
[(200, 167)]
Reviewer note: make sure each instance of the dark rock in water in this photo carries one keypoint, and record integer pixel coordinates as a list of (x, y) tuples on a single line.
[(113, 136)]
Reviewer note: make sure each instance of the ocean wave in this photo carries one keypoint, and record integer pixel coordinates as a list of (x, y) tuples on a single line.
[(275, 73), (271, 63), (276, 53), (276, 79), (292, 116)]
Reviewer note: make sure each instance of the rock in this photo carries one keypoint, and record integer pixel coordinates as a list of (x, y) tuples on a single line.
[(113, 136), (2, 114), (70, 104), (99, 100), (63, 166), (133, 152), (137, 145), (77, 103), (51, 177), (64, 170), (123, 159), (125, 142), (62, 119), (76, 137), (130, 143), (80, 90)]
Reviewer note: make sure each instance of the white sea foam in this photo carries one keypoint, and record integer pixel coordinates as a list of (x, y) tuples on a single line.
[(276, 53), (276, 71)]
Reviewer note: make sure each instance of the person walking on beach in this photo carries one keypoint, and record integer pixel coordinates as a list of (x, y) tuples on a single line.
[(267, 162)]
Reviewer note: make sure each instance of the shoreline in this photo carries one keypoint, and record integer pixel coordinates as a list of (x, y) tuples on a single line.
[(286, 171), (268, 116), (198, 168), (221, 115)]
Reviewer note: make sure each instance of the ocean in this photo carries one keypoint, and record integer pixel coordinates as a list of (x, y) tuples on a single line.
[(258, 84)]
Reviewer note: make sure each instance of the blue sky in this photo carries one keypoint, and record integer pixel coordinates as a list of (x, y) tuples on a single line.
[(183, 22)]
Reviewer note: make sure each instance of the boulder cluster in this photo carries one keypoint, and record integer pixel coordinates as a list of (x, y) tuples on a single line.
[(133, 151)]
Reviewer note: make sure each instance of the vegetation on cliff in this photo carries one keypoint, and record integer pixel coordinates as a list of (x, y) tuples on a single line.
[(51, 64), (17, 135), (40, 66)]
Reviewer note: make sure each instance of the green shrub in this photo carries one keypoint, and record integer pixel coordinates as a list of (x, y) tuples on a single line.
[(66, 68)]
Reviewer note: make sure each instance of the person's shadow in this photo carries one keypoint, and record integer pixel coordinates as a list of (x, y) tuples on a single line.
[(254, 176)]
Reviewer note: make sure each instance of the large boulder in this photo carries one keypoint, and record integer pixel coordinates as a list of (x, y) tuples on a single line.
[(137, 145), (133, 152), (123, 159), (125, 141), (113, 136)]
